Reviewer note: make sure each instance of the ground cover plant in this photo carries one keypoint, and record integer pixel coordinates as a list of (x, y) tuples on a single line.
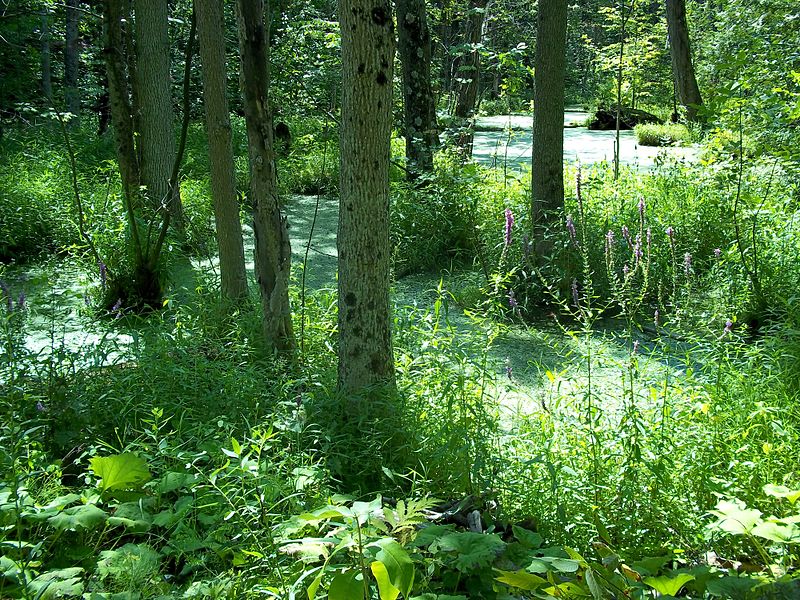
[(335, 315)]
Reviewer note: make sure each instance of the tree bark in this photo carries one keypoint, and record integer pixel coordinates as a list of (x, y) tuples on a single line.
[(156, 122), (71, 60), (273, 251), (366, 358), (682, 67), (211, 35), (468, 75), (547, 172), (47, 80), (414, 48), (115, 52)]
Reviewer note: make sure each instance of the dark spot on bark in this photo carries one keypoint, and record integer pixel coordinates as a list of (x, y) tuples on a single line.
[(380, 104), (371, 305), (377, 364), (381, 78), (380, 15), (361, 68), (384, 63), (355, 352), (357, 331), (350, 207), (350, 299)]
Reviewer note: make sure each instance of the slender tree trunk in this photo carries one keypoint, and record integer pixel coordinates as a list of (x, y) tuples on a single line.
[(468, 75), (414, 48), (71, 60), (154, 90), (547, 173), (211, 35), (273, 251), (47, 80), (365, 343), (682, 67)]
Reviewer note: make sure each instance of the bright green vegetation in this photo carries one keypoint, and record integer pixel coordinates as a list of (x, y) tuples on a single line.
[(607, 460), (663, 135)]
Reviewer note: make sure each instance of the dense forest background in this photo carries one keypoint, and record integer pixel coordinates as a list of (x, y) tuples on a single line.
[(432, 300)]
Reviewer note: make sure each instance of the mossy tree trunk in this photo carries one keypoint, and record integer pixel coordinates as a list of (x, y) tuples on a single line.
[(682, 66), (414, 48), (467, 75), (211, 35), (273, 250), (547, 167)]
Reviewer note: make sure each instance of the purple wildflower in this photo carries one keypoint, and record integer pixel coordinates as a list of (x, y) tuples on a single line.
[(717, 253), (509, 225), (670, 234), (626, 234), (512, 302), (103, 273), (40, 406), (117, 308), (21, 301), (641, 208), (637, 248), (649, 236), (578, 182), (656, 318), (571, 228), (687, 263), (625, 270), (728, 327)]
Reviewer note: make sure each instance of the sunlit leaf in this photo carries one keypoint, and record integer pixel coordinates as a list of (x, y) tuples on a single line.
[(86, 517), (346, 586), (387, 590), (398, 565), (120, 472), (668, 586), (521, 580), (781, 491)]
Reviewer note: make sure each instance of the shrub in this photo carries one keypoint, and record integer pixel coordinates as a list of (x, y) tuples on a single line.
[(662, 135)]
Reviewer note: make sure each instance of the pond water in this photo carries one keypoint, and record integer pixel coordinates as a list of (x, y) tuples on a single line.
[(505, 140)]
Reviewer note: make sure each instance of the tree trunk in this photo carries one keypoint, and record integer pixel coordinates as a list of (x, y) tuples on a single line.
[(211, 34), (365, 342), (273, 251), (156, 122), (115, 51), (47, 80), (414, 48), (547, 172), (682, 67), (71, 59), (468, 75)]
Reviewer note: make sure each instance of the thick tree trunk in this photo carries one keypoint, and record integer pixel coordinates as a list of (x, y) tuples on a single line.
[(365, 342), (115, 52), (414, 48), (47, 80), (273, 251), (156, 119), (547, 172), (71, 60), (682, 67), (468, 75), (211, 34)]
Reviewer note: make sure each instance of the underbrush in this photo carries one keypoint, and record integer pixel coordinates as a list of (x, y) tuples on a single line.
[(673, 134)]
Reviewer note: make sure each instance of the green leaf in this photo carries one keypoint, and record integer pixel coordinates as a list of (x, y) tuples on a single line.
[(776, 532), (120, 472), (386, 589), (64, 583), (472, 550), (79, 518), (529, 539), (668, 586), (781, 491), (346, 586), (735, 518), (314, 586), (521, 580), (398, 564), (594, 585)]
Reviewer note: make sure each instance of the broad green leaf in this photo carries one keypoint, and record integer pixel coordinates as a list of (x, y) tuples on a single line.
[(781, 491), (173, 481), (346, 586), (472, 550), (386, 589), (79, 518), (529, 539), (594, 585), (314, 586), (521, 580), (64, 583), (398, 564), (120, 472), (735, 518), (567, 590), (776, 532), (668, 586)]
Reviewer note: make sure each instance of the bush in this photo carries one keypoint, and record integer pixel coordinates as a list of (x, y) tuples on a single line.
[(663, 135)]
